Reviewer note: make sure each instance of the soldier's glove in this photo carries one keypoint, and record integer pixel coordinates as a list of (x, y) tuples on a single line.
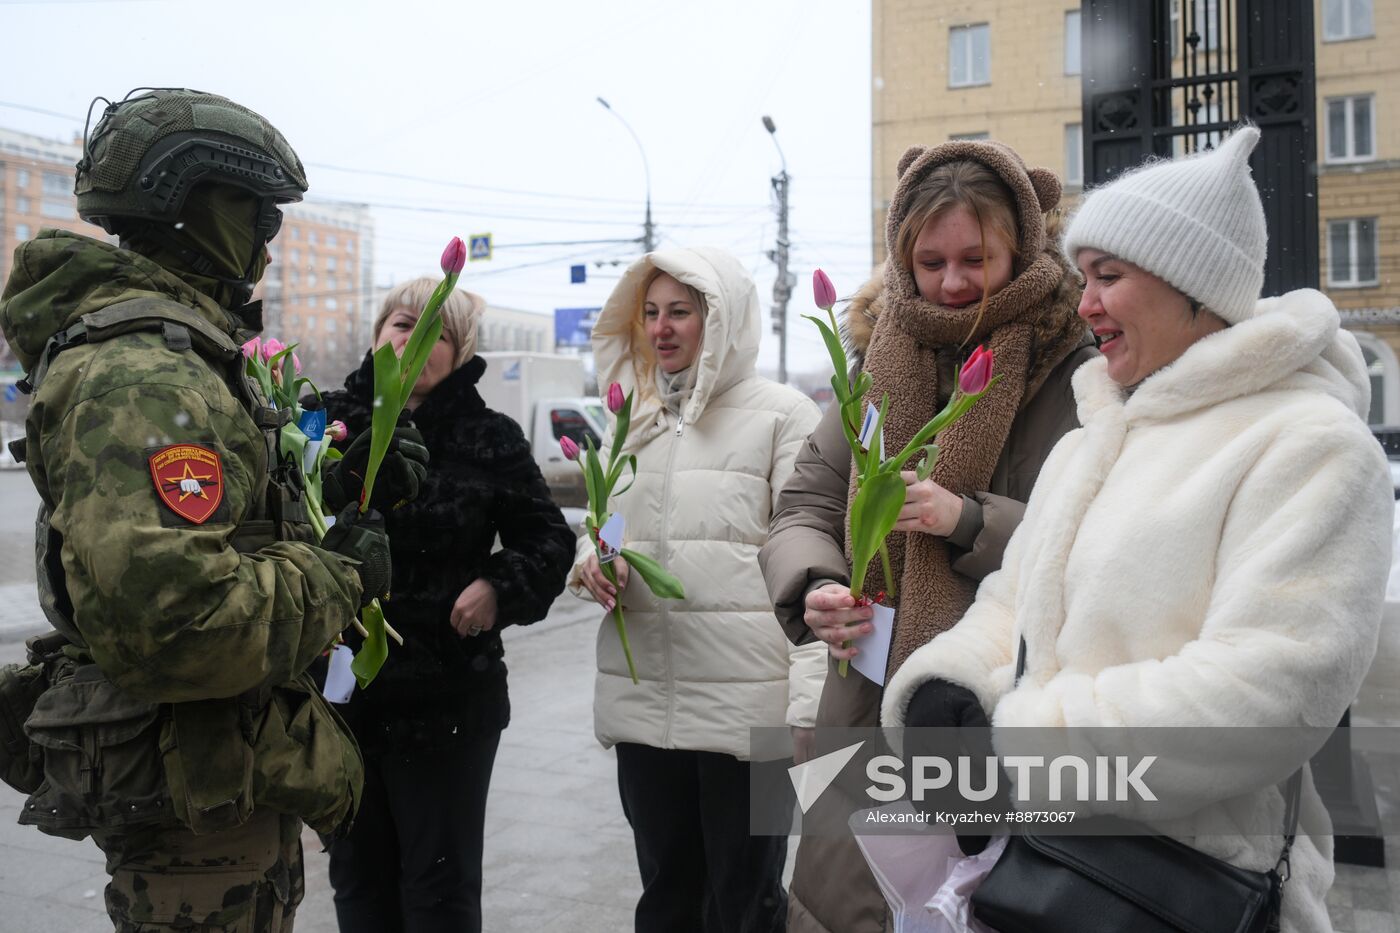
[(362, 538), (400, 474)]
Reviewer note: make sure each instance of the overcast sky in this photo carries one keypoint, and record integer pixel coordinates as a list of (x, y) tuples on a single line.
[(491, 107)]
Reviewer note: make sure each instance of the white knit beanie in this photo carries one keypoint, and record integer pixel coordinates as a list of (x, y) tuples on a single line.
[(1196, 222)]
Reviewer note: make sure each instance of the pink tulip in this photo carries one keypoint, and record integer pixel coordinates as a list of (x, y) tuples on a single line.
[(337, 431), (976, 372), (271, 347), (615, 398), (823, 292), (570, 449), (454, 257), (253, 347)]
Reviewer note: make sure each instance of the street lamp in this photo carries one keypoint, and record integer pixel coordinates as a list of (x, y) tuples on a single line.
[(648, 230), (783, 284)]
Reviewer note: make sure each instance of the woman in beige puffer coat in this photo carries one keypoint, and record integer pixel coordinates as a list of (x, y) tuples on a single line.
[(714, 443)]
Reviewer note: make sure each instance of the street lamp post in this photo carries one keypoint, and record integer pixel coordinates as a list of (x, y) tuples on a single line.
[(783, 284), (648, 229)]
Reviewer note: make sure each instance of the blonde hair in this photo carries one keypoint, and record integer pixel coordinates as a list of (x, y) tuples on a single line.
[(967, 184), (639, 318), (461, 313)]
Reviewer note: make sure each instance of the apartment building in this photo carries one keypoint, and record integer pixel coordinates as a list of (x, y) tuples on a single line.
[(1010, 70)]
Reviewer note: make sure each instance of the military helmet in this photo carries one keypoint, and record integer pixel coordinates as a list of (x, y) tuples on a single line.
[(150, 149)]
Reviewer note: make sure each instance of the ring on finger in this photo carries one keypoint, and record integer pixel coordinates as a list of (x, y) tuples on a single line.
[(474, 630)]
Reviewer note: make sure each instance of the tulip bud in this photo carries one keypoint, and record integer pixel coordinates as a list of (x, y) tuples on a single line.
[(615, 398), (976, 372), (570, 449), (253, 347), (454, 257), (271, 347), (337, 431), (823, 292)]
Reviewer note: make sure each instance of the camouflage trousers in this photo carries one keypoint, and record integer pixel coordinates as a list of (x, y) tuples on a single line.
[(244, 880)]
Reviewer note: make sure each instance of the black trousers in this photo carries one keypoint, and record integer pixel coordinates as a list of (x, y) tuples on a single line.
[(412, 861), (701, 869)]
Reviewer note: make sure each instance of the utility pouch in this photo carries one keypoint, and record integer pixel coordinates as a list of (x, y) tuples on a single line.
[(21, 685), (306, 763), (208, 764), (97, 744)]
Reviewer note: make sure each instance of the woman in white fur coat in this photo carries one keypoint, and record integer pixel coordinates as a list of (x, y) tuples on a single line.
[(1211, 547)]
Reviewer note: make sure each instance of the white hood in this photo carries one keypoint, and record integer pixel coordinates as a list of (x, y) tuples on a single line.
[(729, 352)]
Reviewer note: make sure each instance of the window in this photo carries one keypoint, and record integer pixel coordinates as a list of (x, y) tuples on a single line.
[(21, 232), (1351, 134), (311, 301), (1074, 154), (55, 183), (969, 55), (567, 422), (296, 256), (22, 177), (332, 304), (330, 263), (23, 205), (1072, 42), (296, 233), (331, 240), (1351, 253), (1347, 19), (330, 321), (311, 236), (964, 137), (56, 208)]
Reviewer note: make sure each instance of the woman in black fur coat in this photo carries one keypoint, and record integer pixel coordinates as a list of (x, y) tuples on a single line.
[(430, 722)]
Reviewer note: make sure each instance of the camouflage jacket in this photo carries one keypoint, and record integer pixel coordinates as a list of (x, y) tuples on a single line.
[(169, 609)]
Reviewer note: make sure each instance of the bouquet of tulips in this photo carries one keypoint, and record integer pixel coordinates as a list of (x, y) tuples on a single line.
[(600, 481), (879, 485), (277, 370)]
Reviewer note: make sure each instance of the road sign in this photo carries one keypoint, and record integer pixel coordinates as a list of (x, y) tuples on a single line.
[(573, 327), (11, 392), (480, 246), (578, 274)]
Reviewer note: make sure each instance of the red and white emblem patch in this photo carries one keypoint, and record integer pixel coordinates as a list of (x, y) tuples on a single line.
[(189, 479)]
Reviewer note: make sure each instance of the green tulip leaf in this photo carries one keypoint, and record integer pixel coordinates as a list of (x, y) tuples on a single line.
[(873, 515), (925, 469), (372, 654), (657, 578)]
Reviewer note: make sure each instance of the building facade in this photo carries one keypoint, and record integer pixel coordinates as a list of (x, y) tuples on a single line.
[(1010, 69), (319, 288)]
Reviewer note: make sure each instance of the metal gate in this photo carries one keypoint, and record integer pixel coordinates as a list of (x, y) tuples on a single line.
[(1167, 77)]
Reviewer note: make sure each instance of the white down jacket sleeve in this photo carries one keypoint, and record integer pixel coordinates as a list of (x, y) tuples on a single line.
[(807, 663)]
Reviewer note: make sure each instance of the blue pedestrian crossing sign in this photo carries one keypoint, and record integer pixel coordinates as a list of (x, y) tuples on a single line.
[(11, 392), (480, 247)]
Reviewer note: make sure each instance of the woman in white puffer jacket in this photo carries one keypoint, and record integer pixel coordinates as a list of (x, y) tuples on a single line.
[(714, 443), (1210, 549)]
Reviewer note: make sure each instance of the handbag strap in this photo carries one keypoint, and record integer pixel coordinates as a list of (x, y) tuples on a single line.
[(1291, 795)]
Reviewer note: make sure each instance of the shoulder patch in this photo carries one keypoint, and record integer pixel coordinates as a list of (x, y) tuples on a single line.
[(189, 479)]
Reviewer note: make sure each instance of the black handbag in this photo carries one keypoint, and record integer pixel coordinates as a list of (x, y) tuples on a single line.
[(1142, 883)]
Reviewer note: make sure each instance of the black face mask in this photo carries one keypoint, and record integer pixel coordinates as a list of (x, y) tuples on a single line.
[(216, 246)]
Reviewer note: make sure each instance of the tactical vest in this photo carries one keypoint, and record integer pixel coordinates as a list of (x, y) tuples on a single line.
[(112, 762)]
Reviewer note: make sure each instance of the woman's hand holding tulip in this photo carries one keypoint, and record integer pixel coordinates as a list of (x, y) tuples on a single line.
[(597, 583), (834, 617), (928, 507)]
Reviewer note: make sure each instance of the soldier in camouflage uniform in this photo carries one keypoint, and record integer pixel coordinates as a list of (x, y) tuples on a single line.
[(176, 725)]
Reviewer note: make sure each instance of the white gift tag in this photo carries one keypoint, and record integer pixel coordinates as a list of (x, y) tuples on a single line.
[(867, 430), (874, 648), (340, 680), (308, 458), (610, 539)]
